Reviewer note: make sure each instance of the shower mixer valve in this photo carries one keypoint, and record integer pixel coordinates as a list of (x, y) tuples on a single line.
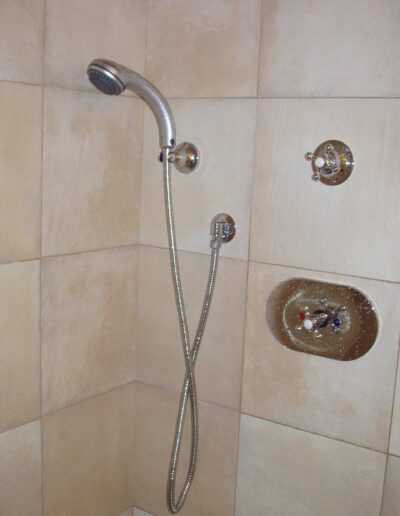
[(332, 162), (328, 319)]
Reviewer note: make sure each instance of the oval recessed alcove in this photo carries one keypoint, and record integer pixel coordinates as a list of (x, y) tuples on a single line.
[(320, 318)]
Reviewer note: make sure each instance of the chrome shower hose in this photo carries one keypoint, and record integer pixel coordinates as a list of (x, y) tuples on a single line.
[(190, 352)]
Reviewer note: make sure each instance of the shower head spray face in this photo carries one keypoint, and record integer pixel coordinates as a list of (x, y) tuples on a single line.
[(105, 80), (112, 79)]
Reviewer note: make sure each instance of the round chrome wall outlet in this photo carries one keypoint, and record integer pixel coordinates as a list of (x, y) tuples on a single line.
[(223, 228)]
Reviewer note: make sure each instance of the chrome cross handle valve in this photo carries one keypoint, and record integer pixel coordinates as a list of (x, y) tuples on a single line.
[(327, 320), (332, 162)]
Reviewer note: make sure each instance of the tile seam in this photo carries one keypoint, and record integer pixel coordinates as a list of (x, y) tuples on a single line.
[(323, 436), (42, 487)]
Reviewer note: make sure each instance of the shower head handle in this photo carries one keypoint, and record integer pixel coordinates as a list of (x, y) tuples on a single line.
[(112, 78)]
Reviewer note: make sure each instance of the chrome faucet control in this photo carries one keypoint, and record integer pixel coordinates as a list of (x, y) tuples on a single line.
[(326, 320), (332, 162)]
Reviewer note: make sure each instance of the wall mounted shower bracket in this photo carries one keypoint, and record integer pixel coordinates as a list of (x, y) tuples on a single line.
[(332, 162), (185, 157), (223, 230)]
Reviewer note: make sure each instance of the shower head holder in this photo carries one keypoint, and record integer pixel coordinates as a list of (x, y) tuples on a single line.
[(185, 157), (223, 230)]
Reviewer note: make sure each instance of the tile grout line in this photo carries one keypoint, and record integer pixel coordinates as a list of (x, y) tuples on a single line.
[(89, 398), (316, 434), (261, 6), (260, 35), (238, 98), (324, 271), (143, 120), (177, 392), (244, 413), (390, 427), (320, 271), (89, 251), (138, 254), (72, 253), (40, 260)]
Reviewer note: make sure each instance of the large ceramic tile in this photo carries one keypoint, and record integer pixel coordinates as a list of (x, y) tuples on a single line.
[(88, 325), (391, 493), (159, 356), (78, 32), (88, 456), (350, 228), (139, 512), (20, 471), (91, 176), (336, 49), (19, 344), (204, 49), (350, 400), (129, 512), (395, 433), (287, 472), (20, 171), (21, 40), (224, 132), (212, 492)]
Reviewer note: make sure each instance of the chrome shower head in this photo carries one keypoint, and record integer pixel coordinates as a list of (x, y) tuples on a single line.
[(112, 79)]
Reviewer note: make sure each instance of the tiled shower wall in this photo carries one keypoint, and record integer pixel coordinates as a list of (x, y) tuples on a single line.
[(88, 392), (70, 162), (257, 85)]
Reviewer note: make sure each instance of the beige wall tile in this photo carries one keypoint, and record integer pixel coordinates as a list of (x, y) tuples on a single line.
[(340, 49), (20, 471), (351, 401), (391, 493), (88, 325), (129, 512), (224, 131), (351, 228), (395, 433), (21, 40), (78, 32), (91, 177), (88, 456), (19, 344), (138, 512), (212, 492), (204, 49), (287, 472), (159, 357), (20, 171)]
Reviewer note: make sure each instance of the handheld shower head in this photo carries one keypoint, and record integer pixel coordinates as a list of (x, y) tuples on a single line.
[(112, 79)]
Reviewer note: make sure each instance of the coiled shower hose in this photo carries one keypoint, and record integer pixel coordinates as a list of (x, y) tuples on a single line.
[(190, 352)]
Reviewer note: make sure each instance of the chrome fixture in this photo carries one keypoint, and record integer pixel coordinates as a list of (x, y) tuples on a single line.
[(223, 229), (185, 157), (326, 319), (112, 78), (332, 162)]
